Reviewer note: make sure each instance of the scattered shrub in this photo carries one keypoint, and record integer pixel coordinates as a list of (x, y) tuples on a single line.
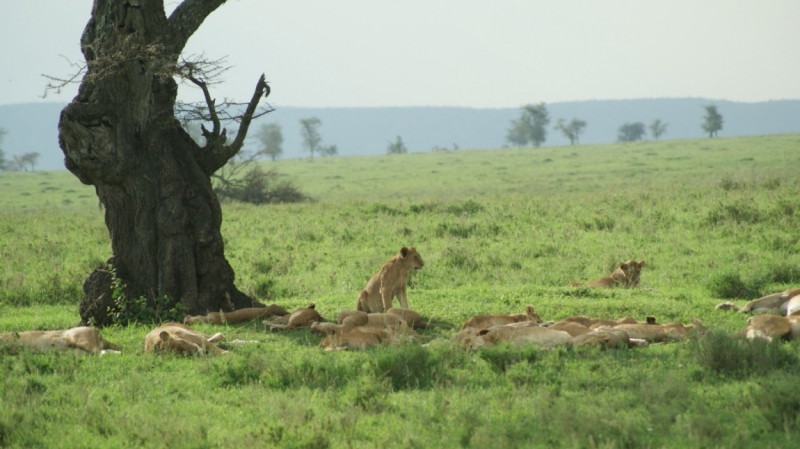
[(726, 355), (731, 286), (259, 187)]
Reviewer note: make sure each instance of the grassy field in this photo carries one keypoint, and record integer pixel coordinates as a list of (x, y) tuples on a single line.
[(498, 229)]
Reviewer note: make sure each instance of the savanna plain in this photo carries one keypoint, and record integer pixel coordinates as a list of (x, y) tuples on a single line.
[(714, 219)]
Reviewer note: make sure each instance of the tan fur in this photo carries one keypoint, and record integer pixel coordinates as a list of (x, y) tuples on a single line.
[(770, 327), (626, 275), (299, 318), (570, 327), (390, 282), (657, 333), (182, 340), (776, 303), (237, 316), (519, 335), (82, 339), (486, 321), (342, 336), (414, 319), (605, 338)]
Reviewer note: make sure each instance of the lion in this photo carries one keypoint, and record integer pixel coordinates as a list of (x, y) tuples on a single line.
[(626, 275), (86, 340), (182, 340), (299, 318), (389, 282), (414, 319), (358, 337), (605, 338), (776, 303), (518, 336), (770, 327), (658, 333), (237, 316), (486, 321), (571, 327)]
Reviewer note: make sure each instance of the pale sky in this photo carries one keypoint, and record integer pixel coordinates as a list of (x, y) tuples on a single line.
[(474, 53)]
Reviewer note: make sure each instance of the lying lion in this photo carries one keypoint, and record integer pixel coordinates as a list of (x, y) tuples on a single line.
[(81, 339), (524, 333), (626, 275), (392, 317), (785, 303), (237, 316), (349, 336), (299, 318), (390, 282), (486, 321), (770, 327), (182, 340)]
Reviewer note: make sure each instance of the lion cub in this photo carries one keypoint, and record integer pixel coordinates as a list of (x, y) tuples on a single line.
[(389, 282), (626, 275), (299, 318)]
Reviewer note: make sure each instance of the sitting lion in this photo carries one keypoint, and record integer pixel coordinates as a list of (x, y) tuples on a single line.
[(626, 275), (389, 282), (237, 316), (486, 321), (784, 303), (182, 340), (82, 339), (299, 318)]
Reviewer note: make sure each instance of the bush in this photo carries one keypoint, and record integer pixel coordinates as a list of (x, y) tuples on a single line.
[(737, 357), (731, 286), (259, 187)]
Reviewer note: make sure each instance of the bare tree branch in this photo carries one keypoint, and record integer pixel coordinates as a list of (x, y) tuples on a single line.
[(217, 156), (188, 17)]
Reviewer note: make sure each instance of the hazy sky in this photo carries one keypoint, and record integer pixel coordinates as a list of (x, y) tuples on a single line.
[(473, 53)]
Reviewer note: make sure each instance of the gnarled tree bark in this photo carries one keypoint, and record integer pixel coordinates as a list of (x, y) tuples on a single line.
[(121, 135)]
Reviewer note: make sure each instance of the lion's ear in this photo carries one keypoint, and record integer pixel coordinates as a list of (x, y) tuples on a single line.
[(651, 320), (483, 332), (404, 251), (641, 264), (164, 336), (529, 310)]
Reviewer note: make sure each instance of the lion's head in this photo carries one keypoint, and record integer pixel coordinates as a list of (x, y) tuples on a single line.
[(411, 258)]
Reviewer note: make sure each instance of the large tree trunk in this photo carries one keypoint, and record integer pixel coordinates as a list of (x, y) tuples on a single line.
[(120, 134)]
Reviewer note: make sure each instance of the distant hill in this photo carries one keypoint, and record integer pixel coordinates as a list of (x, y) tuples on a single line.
[(364, 131)]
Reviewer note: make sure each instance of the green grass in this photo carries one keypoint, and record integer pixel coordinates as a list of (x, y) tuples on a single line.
[(499, 229)]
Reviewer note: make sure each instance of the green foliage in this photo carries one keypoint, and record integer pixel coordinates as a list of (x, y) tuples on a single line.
[(631, 132), (657, 129), (270, 137), (127, 311), (571, 130), (731, 286), (502, 357), (531, 127), (712, 121), (396, 147), (721, 354)]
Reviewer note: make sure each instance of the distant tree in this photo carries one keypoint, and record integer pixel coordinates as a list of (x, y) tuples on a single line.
[(310, 135), (329, 150), (657, 129), (713, 121), (3, 161), (531, 127), (270, 137), (397, 147), (631, 132), (571, 130), (30, 159)]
